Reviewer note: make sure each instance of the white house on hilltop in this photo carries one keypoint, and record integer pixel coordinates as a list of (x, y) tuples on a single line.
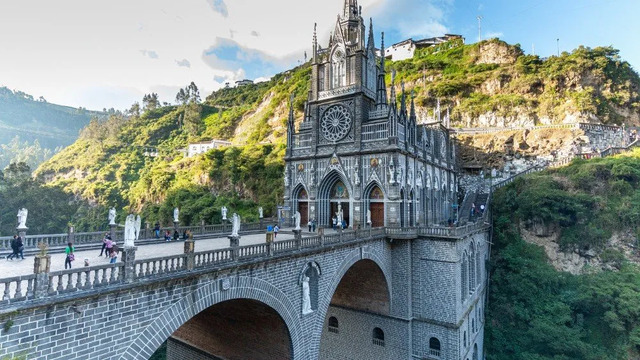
[(406, 48), (202, 147)]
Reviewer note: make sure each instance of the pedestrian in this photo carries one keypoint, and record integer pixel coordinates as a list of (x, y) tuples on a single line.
[(70, 256), (13, 247), (344, 224), (104, 243), (482, 209), (176, 235), (184, 234), (156, 229), (113, 254), (167, 235), (108, 246), (334, 222), (309, 225), (313, 225), (275, 231), (473, 209), (19, 247)]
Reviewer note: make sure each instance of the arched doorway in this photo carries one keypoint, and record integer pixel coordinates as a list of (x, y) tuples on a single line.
[(302, 205), (228, 330), (376, 206), (361, 297), (333, 196)]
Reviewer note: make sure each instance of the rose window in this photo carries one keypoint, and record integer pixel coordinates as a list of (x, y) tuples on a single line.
[(335, 123)]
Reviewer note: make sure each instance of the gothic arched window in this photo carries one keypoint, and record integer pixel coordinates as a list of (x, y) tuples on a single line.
[(333, 325), (339, 191), (378, 336), (338, 68), (434, 347)]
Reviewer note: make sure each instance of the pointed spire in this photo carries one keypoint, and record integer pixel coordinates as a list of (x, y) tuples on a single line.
[(351, 9), (381, 100), (315, 43), (382, 54), (412, 114), (370, 41), (393, 87), (403, 103)]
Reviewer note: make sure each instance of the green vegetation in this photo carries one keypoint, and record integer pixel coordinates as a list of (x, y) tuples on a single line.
[(536, 312)]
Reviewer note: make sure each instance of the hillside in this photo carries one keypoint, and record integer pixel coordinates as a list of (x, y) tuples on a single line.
[(565, 281), (32, 130), (107, 166)]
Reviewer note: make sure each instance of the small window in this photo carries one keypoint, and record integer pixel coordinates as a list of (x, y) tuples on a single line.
[(465, 338), (333, 325), (434, 347), (378, 337)]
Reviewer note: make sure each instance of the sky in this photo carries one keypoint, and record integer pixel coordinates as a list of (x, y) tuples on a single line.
[(102, 54)]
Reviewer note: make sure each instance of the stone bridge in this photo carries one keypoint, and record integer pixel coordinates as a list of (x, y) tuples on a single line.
[(383, 293)]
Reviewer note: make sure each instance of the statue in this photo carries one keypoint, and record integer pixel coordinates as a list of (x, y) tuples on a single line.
[(235, 225), (409, 177), (176, 213), (297, 218), (286, 176), (313, 174), (130, 230), (392, 172), (224, 213), (368, 216), (138, 223), (339, 215), (356, 172), (22, 218), (260, 212), (112, 216), (306, 296)]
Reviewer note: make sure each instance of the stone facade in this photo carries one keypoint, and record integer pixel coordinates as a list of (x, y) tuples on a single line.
[(358, 149)]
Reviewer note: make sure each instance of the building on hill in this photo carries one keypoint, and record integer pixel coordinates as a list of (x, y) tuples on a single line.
[(405, 49), (202, 147), (244, 82)]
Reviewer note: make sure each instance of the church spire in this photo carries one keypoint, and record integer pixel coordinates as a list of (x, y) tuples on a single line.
[(382, 86), (403, 101), (370, 41), (412, 114), (393, 88)]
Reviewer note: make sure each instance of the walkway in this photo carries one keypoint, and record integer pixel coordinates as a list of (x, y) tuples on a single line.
[(11, 268)]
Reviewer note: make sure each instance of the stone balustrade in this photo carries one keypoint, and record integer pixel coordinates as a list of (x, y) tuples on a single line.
[(83, 280)]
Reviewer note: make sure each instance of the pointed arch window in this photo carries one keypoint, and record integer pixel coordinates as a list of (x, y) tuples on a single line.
[(338, 68), (434, 347), (333, 325)]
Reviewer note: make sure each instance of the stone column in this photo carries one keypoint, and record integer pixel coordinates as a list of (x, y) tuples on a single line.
[(234, 243), (176, 225), (298, 236), (41, 266), (129, 259), (201, 227), (321, 234), (22, 232), (189, 247)]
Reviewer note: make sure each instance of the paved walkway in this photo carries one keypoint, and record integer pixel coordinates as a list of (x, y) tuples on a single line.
[(11, 268)]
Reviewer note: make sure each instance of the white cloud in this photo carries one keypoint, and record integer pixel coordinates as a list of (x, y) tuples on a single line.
[(86, 53)]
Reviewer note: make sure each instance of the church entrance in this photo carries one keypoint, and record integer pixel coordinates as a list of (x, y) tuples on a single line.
[(376, 207), (331, 192), (303, 207)]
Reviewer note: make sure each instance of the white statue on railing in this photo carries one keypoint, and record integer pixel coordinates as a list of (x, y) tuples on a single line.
[(339, 215), (112, 216), (131, 230), (224, 212), (235, 221), (176, 214), (22, 218), (297, 219), (306, 296), (260, 212)]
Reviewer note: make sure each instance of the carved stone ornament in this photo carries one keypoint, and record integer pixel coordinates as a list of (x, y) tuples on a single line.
[(300, 167), (373, 162)]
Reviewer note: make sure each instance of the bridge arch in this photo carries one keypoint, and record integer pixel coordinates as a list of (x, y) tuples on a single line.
[(208, 295)]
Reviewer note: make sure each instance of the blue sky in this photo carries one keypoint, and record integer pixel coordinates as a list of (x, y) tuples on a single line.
[(102, 54)]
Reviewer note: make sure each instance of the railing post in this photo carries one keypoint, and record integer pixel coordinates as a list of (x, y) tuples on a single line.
[(201, 227), (71, 234), (129, 260), (321, 234), (297, 234), (234, 243), (41, 267), (189, 247), (112, 231), (147, 231)]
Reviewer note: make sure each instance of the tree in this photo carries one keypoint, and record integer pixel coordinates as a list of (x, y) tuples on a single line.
[(134, 110), (182, 97), (193, 93), (150, 101)]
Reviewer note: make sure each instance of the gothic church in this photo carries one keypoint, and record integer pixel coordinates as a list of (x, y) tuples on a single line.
[(360, 153)]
